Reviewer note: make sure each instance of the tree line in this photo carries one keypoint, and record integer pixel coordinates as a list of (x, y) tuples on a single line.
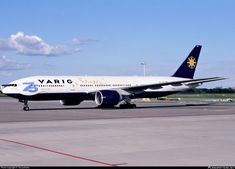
[(213, 90)]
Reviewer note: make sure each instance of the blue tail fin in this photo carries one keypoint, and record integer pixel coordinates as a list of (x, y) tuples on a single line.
[(188, 67)]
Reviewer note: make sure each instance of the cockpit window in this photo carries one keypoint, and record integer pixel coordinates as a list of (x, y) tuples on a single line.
[(6, 85)]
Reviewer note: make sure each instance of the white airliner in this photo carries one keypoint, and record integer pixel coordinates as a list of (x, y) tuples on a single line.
[(106, 91)]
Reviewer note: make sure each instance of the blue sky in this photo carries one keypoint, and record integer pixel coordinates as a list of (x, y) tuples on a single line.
[(112, 37)]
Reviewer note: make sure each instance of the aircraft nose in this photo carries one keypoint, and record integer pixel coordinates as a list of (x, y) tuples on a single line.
[(1, 88)]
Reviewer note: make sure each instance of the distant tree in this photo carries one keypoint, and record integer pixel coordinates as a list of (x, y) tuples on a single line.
[(205, 90)]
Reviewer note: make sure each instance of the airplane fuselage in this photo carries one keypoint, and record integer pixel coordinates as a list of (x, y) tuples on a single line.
[(84, 87)]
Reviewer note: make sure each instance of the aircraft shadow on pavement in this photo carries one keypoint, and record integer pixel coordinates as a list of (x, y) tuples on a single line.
[(117, 108)]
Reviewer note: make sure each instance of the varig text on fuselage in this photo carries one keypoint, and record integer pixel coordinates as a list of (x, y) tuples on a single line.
[(55, 81)]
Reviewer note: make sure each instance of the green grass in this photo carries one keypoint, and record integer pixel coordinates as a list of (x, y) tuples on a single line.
[(204, 96)]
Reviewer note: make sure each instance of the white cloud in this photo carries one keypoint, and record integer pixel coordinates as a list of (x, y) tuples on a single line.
[(34, 45), (8, 64), (77, 41)]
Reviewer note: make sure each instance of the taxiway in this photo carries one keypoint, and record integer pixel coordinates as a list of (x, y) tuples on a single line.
[(153, 134)]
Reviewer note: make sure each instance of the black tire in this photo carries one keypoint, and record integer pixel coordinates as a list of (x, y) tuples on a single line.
[(127, 106), (26, 108)]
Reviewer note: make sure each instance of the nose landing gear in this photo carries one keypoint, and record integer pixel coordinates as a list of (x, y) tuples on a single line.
[(26, 106)]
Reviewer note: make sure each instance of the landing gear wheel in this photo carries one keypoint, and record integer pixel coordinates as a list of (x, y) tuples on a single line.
[(133, 105), (26, 108), (126, 106)]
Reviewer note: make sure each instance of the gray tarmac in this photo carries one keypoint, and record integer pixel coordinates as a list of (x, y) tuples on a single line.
[(153, 134)]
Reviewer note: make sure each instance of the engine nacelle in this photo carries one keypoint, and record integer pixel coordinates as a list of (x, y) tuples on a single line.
[(107, 98), (70, 102)]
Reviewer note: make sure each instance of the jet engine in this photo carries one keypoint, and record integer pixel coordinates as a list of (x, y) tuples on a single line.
[(107, 98)]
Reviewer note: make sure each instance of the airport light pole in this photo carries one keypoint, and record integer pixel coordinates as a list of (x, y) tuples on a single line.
[(144, 65)]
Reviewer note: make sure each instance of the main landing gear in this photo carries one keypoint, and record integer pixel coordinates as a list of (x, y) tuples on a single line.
[(127, 104), (26, 106)]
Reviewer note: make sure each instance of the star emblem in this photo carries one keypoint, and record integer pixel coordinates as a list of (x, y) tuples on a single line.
[(191, 62)]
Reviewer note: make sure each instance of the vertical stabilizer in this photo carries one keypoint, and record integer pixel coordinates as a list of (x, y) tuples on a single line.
[(188, 67)]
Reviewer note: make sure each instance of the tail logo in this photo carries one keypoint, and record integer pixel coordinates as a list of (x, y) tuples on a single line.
[(191, 62)]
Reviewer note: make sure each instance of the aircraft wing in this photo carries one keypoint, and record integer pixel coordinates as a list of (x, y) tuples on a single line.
[(175, 83)]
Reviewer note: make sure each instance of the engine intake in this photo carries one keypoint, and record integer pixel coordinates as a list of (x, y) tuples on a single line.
[(107, 98)]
